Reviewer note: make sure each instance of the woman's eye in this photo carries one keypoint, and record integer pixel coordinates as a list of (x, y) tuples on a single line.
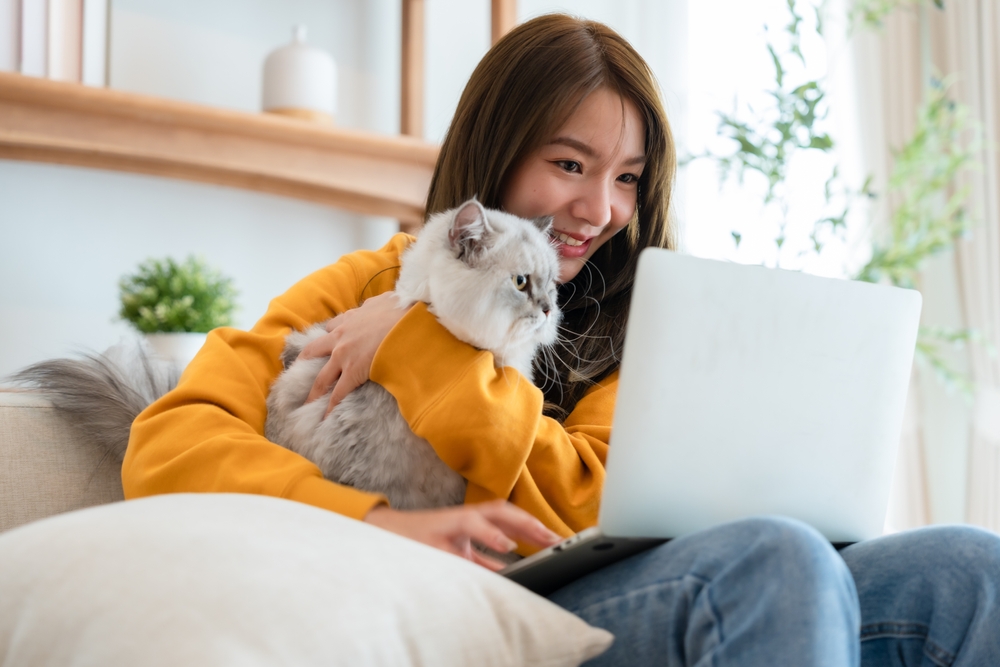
[(569, 165), (628, 178), (520, 282)]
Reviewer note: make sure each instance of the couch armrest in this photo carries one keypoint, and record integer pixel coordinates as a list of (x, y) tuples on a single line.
[(44, 469)]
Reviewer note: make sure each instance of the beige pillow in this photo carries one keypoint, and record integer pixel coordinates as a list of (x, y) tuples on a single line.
[(225, 579)]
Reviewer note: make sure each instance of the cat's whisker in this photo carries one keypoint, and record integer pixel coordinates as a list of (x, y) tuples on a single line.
[(578, 336), (553, 368), (584, 362), (545, 366)]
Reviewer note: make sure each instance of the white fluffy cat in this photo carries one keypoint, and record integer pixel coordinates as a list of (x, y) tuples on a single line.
[(489, 278)]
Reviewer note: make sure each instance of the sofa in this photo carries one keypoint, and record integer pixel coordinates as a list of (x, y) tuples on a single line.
[(219, 579), (43, 470)]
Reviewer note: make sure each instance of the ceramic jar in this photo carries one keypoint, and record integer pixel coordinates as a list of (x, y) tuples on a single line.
[(300, 80)]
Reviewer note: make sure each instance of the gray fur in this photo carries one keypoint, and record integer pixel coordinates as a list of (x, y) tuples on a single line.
[(100, 395), (364, 442)]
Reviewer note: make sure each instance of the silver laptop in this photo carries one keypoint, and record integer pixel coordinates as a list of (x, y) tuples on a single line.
[(746, 391)]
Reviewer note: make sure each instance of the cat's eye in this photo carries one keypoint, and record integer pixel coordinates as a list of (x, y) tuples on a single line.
[(520, 282)]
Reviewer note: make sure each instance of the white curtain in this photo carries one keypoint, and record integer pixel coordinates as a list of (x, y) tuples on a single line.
[(962, 40), (966, 38), (887, 75)]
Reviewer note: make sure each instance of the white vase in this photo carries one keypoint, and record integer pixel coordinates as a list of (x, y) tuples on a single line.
[(300, 81), (177, 347)]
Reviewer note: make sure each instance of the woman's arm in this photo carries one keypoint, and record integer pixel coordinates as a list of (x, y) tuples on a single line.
[(207, 434), (484, 422), (487, 424)]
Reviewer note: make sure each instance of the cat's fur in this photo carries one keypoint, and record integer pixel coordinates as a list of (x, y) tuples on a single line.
[(464, 264), (101, 394)]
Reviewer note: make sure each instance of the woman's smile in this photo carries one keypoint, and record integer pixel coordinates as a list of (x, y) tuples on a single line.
[(586, 177)]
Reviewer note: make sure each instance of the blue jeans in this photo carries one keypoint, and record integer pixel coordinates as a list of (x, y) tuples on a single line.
[(773, 591)]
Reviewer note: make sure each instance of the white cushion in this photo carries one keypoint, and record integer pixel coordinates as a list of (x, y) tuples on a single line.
[(225, 579)]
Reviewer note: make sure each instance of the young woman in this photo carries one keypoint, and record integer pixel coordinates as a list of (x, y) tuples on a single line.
[(562, 117)]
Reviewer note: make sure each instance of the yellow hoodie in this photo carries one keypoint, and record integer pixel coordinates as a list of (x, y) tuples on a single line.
[(207, 434)]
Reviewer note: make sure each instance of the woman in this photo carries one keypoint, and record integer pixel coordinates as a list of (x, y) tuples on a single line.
[(563, 118)]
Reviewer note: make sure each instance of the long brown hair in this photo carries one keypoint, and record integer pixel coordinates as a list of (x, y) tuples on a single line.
[(524, 89)]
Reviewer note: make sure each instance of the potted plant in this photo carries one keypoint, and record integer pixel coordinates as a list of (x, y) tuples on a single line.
[(176, 304)]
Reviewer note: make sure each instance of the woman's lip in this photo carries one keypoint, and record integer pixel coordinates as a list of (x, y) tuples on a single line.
[(576, 237), (572, 251)]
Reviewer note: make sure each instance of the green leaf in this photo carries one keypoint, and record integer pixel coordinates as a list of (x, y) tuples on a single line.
[(779, 71), (822, 142)]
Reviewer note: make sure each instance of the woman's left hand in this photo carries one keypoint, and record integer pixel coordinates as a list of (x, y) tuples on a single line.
[(351, 343)]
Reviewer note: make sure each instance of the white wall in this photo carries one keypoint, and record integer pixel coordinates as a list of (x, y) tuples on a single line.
[(67, 234)]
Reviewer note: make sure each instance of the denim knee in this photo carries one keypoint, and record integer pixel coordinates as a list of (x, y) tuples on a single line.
[(973, 548), (786, 549), (806, 562), (792, 541), (968, 552)]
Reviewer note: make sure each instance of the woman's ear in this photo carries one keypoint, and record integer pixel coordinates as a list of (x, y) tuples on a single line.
[(470, 230)]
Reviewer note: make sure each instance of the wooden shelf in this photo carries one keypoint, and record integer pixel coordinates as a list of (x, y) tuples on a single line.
[(67, 123)]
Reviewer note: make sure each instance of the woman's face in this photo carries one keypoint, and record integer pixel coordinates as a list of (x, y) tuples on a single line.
[(586, 177)]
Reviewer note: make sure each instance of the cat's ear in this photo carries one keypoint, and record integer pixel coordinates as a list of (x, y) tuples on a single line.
[(470, 230), (543, 223)]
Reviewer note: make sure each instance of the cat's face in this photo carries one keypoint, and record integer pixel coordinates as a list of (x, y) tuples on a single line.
[(502, 291)]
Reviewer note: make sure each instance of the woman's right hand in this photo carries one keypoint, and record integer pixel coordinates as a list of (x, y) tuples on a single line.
[(494, 525), (354, 337)]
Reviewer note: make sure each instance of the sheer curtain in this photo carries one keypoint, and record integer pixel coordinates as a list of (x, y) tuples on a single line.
[(966, 39), (887, 74), (962, 39)]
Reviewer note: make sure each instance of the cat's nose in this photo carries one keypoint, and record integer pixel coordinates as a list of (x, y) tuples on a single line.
[(546, 307)]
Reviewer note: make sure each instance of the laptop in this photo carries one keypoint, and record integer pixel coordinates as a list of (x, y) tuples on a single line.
[(746, 391)]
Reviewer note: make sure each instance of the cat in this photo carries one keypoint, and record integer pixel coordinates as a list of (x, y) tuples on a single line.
[(489, 277)]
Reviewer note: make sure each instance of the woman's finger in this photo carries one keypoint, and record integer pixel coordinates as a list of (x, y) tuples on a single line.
[(334, 322), (345, 384), (327, 376), (479, 529), (321, 347), (517, 523), (485, 561)]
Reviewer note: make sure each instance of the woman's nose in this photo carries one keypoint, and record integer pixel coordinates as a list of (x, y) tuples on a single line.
[(593, 204)]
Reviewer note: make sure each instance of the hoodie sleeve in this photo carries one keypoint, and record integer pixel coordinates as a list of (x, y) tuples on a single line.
[(206, 435), (487, 424)]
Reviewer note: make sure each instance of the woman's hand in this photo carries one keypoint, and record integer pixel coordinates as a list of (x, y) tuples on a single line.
[(351, 343), (494, 525)]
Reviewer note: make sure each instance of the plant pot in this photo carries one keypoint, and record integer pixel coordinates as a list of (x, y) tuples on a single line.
[(177, 347)]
